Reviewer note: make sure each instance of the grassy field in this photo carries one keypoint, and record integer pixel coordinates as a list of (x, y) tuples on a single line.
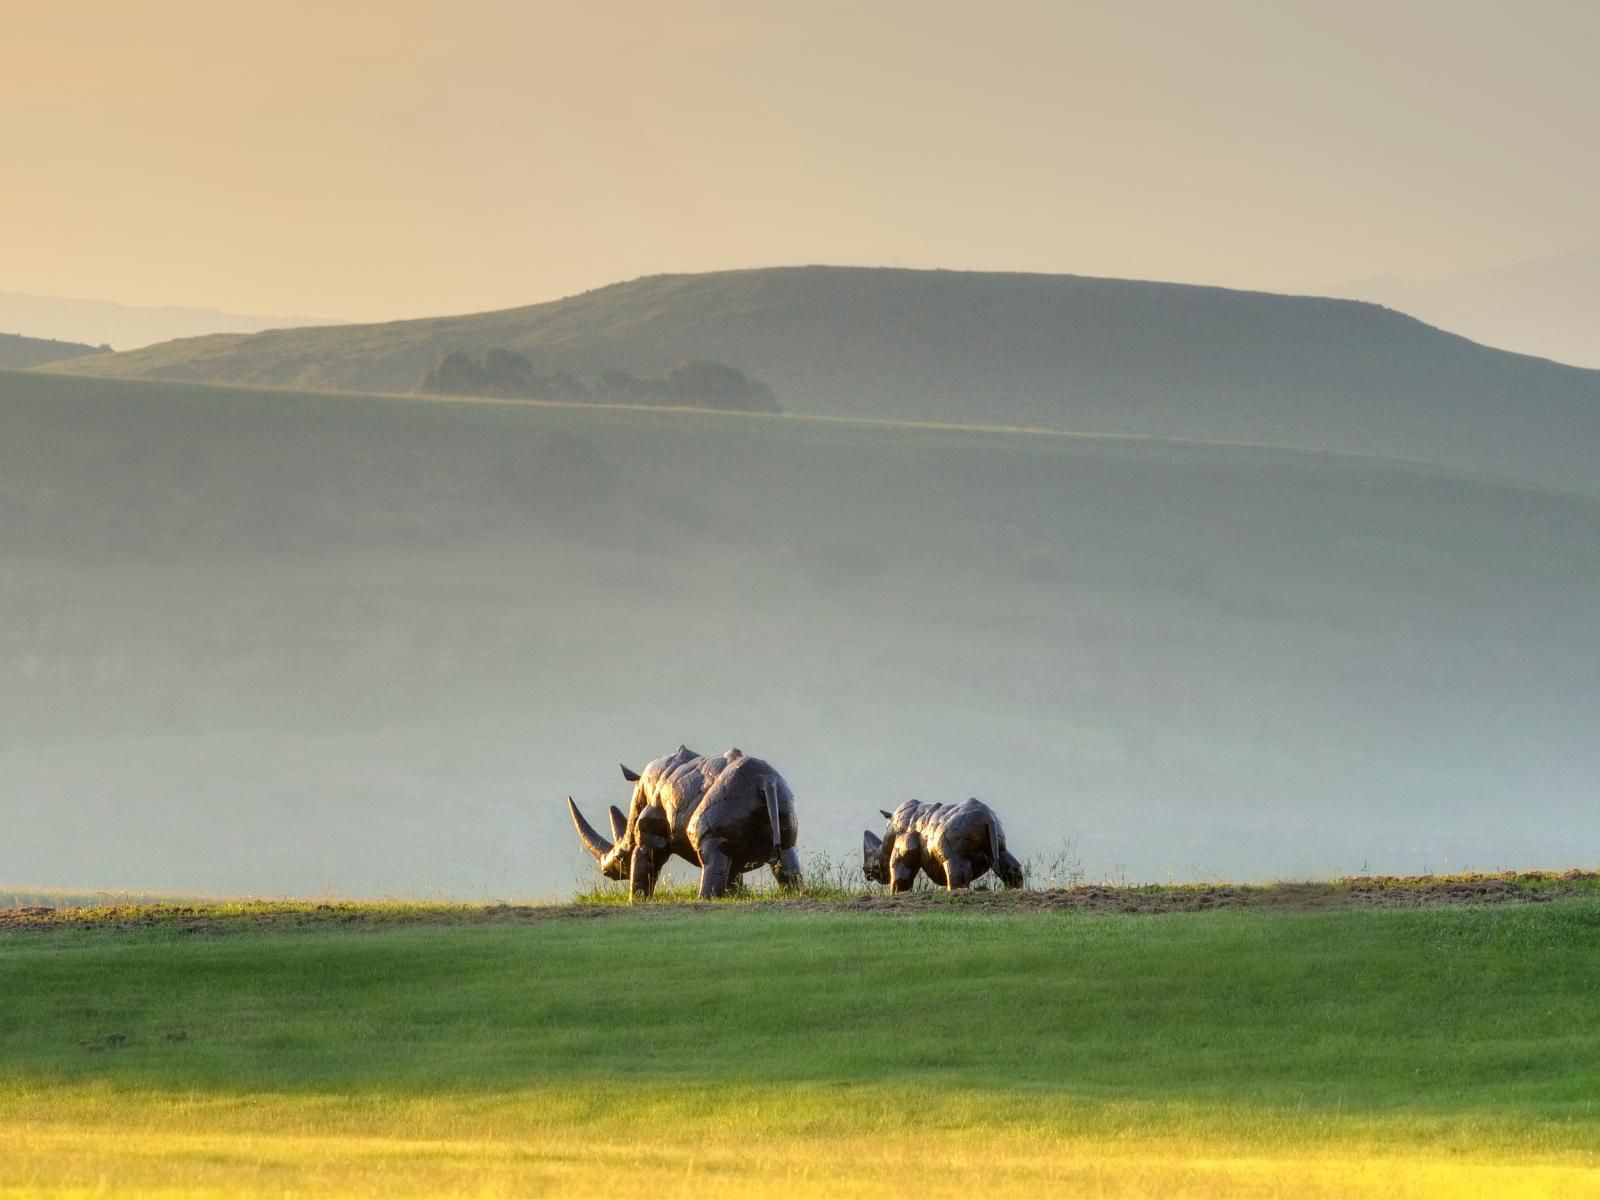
[(803, 1051)]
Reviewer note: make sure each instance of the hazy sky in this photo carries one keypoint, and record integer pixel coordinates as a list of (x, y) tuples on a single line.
[(385, 159)]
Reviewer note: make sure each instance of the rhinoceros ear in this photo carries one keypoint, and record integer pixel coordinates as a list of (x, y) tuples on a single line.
[(887, 815), (630, 776), (619, 824), (871, 842)]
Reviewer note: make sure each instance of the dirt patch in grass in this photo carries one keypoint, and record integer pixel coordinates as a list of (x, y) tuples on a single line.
[(1367, 892), (204, 919), (1362, 892)]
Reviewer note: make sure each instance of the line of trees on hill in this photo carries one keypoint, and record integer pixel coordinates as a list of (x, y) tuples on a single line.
[(507, 375)]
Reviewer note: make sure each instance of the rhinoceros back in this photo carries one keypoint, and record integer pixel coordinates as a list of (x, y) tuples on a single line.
[(969, 826), (680, 782), (752, 786)]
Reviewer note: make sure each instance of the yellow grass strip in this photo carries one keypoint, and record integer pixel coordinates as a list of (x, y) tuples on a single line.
[(46, 1158)]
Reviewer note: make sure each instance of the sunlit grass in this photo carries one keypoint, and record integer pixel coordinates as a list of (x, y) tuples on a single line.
[(750, 1144)]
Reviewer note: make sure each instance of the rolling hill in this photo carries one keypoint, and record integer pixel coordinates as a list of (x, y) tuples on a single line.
[(279, 642), (1040, 351), (18, 353)]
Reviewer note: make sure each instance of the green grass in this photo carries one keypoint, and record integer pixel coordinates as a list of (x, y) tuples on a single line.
[(1290, 1051)]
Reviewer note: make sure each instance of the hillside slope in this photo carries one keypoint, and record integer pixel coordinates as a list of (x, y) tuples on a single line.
[(289, 643), (18, 353), (1548, 307), (1054, 352)]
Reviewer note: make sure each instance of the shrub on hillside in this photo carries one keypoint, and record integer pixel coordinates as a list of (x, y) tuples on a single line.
[(503, 373), (698, 383)]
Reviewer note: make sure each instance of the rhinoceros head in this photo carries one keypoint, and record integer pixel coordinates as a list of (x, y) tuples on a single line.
[(613, 855), (635, 852), (874, 858)]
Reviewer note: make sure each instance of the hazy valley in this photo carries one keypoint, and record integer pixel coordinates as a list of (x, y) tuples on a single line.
[(276, 643)]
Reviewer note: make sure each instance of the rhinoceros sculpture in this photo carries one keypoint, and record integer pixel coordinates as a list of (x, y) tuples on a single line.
[(953, 843), (727, 814)]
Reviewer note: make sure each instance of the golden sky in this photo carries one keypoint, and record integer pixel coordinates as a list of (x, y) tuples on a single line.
[(372, 160)]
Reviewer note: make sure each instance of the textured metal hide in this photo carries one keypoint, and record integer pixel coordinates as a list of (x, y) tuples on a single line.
[(727, 814), (953, 843)]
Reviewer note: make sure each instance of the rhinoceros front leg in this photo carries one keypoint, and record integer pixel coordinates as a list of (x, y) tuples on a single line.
[(905, 862), (715, 867), (1009, 869), (641, 875)]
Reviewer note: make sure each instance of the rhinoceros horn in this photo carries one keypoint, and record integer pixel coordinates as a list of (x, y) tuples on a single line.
[(619, 824), (592, 841)]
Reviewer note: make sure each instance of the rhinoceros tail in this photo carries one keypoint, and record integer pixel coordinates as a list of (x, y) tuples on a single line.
[(769, 793)]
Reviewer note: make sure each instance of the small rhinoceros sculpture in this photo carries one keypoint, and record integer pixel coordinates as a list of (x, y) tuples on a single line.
[(953, 843), (727, 814)]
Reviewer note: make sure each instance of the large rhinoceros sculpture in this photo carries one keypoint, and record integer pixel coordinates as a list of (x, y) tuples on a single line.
[(953, 843), (727, 814)]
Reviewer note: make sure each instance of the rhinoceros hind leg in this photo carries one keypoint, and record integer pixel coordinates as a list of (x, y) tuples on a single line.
[(715, 866), (787, 869)]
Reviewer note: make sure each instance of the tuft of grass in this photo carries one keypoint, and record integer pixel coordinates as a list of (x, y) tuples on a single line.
[(1533, 881), (825, 878), (21, 897)]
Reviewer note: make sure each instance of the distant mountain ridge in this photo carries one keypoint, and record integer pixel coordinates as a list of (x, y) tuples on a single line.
[(128, 326), (1058, 352), (19, 353)]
